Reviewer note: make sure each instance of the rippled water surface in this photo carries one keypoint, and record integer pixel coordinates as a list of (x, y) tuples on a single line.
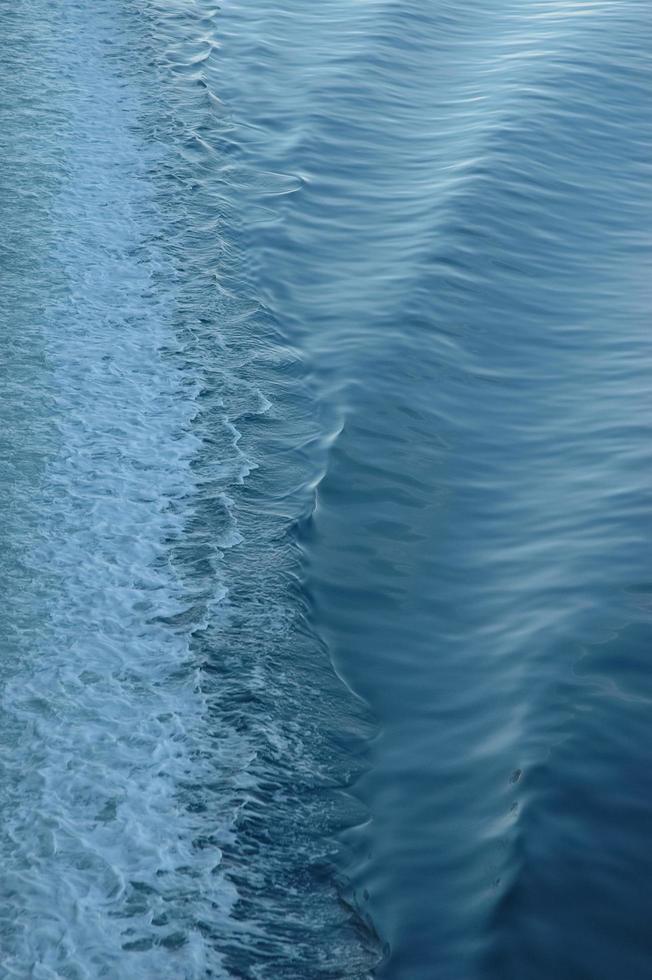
[(326, 471)]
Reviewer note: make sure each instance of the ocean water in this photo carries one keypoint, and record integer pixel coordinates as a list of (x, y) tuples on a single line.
[(326, 472)]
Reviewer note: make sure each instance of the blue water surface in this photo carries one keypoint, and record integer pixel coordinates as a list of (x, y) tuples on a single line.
[(326, 470)]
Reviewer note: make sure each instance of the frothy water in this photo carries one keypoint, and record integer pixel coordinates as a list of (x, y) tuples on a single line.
[(170, 788), (325, 470)]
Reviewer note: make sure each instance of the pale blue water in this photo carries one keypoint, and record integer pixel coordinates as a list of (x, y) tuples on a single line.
[(326, 390)]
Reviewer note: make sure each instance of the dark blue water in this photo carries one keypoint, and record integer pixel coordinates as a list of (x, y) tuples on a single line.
[(326, 472)]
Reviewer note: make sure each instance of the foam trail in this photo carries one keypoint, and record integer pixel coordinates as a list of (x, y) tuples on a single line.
[(165, 764)]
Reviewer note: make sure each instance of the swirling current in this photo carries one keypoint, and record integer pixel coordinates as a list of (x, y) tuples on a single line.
[(326, 471)]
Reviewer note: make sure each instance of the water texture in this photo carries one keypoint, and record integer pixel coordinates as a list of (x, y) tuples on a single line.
[(325, 451)]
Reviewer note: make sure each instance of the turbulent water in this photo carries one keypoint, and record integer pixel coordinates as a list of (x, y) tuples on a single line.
[(326, 472)]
